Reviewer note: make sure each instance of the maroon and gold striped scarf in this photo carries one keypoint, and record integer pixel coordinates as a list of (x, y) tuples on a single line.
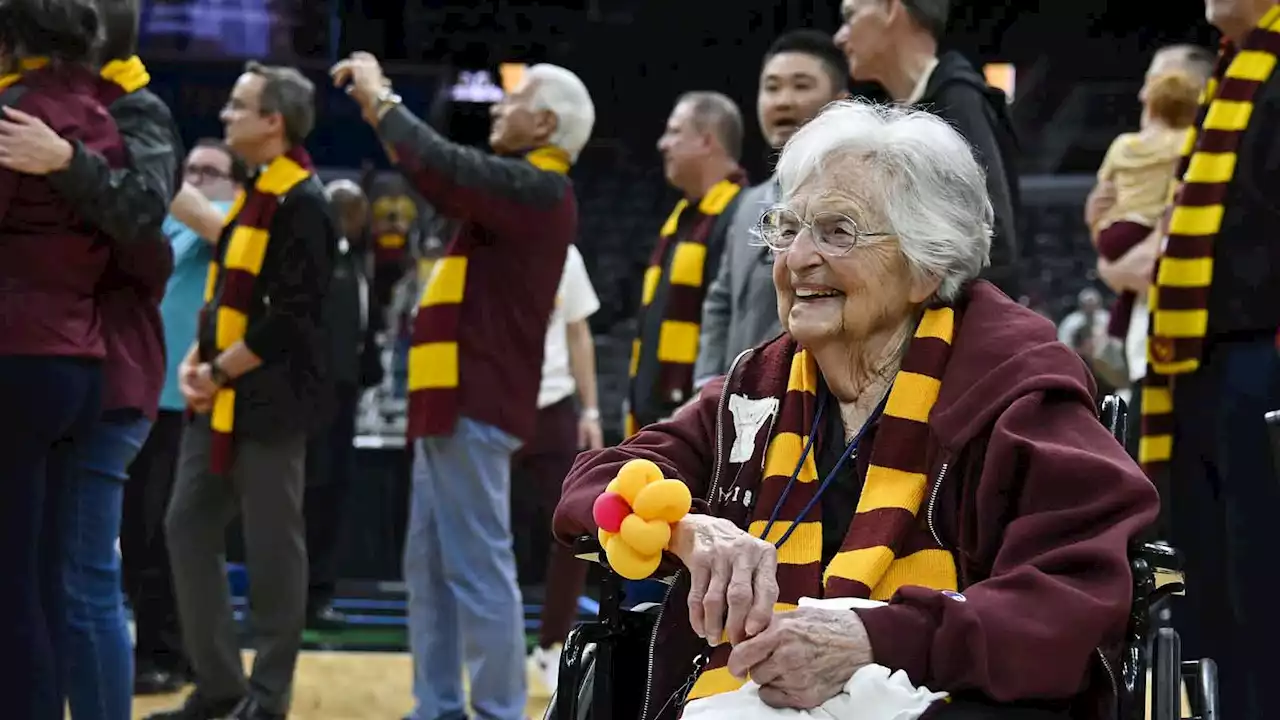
[(1179, 298), (688, 227), (888, 545), (433, 356), (236, 272)]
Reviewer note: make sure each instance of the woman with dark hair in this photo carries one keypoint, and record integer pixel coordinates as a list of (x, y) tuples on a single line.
[(51, 346), (128, 204)]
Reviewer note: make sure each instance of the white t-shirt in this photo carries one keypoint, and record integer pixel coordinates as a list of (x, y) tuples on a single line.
[(1135, 343), (575, 300)]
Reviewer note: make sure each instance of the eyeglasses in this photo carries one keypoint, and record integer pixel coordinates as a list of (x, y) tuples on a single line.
[(202, 173), (833, 233)]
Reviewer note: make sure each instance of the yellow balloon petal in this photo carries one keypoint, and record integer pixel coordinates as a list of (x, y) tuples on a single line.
[(647, 537), (628, 563), (666, 500)]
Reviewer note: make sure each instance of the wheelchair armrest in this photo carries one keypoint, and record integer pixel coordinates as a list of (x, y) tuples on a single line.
[(587, 547), (1165, 563)]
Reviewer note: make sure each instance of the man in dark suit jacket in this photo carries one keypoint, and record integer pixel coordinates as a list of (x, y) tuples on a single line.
[(895, 43)]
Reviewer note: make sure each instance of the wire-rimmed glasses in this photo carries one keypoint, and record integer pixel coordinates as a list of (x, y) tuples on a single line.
[(833, 233)]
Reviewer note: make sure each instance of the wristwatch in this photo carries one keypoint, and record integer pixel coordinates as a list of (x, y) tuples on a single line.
[(385, 101), (217, 374), (592, 414)]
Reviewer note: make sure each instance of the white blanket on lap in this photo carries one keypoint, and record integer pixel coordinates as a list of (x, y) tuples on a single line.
[(873, 693)]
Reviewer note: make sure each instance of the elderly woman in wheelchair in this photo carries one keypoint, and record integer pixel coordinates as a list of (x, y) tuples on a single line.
[(913, 477)]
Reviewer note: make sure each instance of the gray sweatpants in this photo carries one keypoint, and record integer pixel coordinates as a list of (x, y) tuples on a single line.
[(265, 487)]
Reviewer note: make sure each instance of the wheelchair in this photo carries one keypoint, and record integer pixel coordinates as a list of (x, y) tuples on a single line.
[(617, 645)]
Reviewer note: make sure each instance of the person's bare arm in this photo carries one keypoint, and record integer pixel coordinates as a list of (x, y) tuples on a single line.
[(1134, 271), (582, 364), (1101, 199), (196, 212)]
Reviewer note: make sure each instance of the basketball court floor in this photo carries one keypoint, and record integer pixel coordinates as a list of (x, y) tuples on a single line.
[(344, 685)]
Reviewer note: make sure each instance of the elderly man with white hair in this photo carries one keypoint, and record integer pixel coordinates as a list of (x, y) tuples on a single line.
[(916, 447), (475, 368)]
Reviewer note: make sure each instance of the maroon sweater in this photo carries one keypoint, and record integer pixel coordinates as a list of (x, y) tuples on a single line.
[(51, 259), (1037, 502), (517, 224)]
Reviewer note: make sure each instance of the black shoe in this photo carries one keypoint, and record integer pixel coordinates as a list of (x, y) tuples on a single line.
[(197, 707), (326, 617), (155, 681), (249, 709)]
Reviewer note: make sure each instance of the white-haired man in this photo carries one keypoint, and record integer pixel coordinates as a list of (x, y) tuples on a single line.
[(475, 369)]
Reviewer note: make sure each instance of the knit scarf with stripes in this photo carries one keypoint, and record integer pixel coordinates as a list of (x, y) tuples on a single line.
[(888, 545), (1179, 298), (228, 292), (434, 370), (129, 75), (688, 227)]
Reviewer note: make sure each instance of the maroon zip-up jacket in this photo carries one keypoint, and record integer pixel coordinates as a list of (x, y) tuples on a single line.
[(51, 258), (1034, 497)]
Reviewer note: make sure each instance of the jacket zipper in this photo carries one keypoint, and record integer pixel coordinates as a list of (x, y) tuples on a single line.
[(711, 498), (1111, 676), (933, 504)]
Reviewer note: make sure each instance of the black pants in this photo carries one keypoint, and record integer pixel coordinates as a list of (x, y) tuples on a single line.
[(148, 582), (330, 467), (1223, 495), (52, 402)]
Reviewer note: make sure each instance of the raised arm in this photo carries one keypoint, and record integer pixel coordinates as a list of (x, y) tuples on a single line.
[(466, 184), (1060, 586)]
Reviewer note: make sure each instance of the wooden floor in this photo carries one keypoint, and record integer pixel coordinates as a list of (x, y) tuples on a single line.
[(348, 686)]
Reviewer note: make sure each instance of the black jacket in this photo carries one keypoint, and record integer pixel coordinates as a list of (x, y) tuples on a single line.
[(284, 396), (958, 94), (129, 204)]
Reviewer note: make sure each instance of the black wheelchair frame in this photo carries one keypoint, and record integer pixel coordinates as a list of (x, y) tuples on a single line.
[(618, 644)]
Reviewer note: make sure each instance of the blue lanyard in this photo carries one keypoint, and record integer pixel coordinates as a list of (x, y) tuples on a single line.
[(849, 451)]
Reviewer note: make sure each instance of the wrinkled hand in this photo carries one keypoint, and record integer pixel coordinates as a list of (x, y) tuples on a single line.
[(1101, 199), (197, 386), (28, 145), (363, 76), (805, 657), (590, 436), (733, 578)]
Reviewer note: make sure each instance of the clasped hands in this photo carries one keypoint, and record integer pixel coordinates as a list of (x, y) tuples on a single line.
[(195, 381), (800, 658)]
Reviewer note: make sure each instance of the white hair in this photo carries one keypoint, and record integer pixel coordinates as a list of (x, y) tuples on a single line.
[(923, 176), (563, 93)]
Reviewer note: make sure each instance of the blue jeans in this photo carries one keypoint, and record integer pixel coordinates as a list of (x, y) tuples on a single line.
[(97, 651), (464, 603), (53, 402)]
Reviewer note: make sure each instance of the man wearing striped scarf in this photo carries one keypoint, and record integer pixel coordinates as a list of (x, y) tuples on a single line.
[(915, 438), (475, 368), (1213, 371), (700, 148)]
